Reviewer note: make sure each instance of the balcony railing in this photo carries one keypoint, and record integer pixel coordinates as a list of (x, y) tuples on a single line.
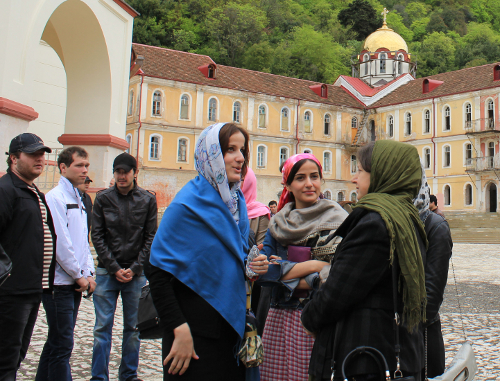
[(481, 164), (482, 125)]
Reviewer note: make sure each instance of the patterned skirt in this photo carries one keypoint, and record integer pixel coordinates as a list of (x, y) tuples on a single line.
[(287, 348)]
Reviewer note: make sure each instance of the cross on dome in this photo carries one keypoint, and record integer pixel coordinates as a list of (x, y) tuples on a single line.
[(384, 13)]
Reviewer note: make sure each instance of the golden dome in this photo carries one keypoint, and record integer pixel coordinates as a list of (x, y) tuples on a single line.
[(385, 37)]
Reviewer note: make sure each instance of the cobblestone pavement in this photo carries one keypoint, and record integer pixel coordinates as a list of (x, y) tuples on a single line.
[(477, 270)]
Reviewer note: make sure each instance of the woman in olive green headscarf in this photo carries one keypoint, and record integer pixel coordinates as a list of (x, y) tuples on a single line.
[(355, 305)]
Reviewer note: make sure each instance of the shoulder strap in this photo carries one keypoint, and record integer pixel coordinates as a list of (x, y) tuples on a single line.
[(397, 319)]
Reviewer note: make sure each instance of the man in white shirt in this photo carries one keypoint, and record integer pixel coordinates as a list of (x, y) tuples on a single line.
[(74, 269)]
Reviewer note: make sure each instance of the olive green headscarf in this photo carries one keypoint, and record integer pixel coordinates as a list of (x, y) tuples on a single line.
[(394, 182)]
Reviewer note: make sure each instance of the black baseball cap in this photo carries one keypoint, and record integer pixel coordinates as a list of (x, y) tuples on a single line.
[(88, 180), (27, 143), (124, 161)]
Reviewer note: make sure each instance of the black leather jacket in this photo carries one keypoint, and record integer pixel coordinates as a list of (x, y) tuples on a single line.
[(123, 228)]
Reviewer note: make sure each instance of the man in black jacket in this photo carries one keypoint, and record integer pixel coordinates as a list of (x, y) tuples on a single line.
[(123, 228), (28, 238)]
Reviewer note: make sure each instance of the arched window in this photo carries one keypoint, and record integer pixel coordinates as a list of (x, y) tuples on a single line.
[(327, 124), (354, 164), (447, 119), (184, 107), (447, 195), (491, 114), (307, 150), (408, 124), (262, 116), (131, 102), (285, 119), (491, 154), (468, 194), (382, 58), (427, 158), (283, 155), (182, 150), (261, 156), (468, 115), (212, 110), (340, 196), (390, 126), (128, 138), (156, 103), (307, 121), (328, 195), (366, 59), (468, 154), (354, 197), (237, 112), (400, 63), (427, 122), (154, 147), (327, 161), (354, 122), (446, 156)]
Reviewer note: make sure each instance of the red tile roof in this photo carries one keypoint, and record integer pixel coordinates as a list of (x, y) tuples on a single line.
[(181, 66), (454, 82), (363, 88)]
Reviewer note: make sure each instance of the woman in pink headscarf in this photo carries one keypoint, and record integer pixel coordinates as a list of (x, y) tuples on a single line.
[(300, 242), (258, 213)]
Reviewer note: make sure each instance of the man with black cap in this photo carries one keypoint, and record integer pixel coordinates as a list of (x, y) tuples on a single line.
[(87, 201), (123, 228), (28, 239)]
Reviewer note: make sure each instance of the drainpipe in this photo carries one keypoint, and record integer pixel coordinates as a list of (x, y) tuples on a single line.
[(140, 120), (434, 144), (297, 129)]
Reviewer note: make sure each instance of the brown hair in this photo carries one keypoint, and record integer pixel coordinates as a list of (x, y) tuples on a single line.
[(66, 155), (9, 160), (365, 156), (228, 130)]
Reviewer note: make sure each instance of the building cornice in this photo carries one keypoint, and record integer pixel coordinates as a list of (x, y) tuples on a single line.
[(17, 110), (93, 140)]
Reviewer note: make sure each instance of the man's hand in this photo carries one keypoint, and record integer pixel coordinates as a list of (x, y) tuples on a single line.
[(122, 276), (129, 273), (83, 283), (92, 283)]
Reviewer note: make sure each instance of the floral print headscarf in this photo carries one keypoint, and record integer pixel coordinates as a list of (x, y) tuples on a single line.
[(209, 163)]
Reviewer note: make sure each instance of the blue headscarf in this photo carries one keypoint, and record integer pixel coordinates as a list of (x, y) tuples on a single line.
[(200, 241)]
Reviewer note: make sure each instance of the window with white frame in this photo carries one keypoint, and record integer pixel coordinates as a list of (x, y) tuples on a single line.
[(182, 150), (447, 195), (468, 194), (340, 196), (491, 115), (468, 115), (408, 123), (307, 121), (307, 150), (354, 164), (390, 126), (382, 58), (446, 156), (447, 119), (237, 112), (468, 154), (285, 119), (427, 158), (156, 111), (427, 121), (366, 59), (283, 155), (354, 122), (131, 102), (328, 195), (128, 138), (154, 147), (212, 110), (400, 63), (261, 156), (490, 154), (327, 161), (354, 197), (184, 107), (262, 116), (328, 119)]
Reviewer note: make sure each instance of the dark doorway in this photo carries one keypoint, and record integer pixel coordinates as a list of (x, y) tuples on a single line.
[(493, 198), (372, 130)]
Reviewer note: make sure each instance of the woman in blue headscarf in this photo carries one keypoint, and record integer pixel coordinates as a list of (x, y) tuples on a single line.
[(197, 273)]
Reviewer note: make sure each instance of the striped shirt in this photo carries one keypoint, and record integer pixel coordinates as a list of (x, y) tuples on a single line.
[(48, 244)]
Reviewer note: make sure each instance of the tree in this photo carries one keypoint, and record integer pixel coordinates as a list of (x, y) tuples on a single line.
[(395, 21), (436, 55), (362, 17), (481, 42), (436, 24)]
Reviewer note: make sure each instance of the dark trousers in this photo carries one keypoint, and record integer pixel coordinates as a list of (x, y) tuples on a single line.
[(61, 308), (435, 350), (18, 315)]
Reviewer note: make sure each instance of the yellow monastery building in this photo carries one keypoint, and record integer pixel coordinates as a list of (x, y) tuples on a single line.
[(452, 119)]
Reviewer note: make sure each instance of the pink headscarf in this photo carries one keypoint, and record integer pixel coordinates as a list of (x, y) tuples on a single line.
[(249, 189), (286, 196)]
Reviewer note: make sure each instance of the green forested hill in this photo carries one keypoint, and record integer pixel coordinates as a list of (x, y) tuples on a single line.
[(314, 39)]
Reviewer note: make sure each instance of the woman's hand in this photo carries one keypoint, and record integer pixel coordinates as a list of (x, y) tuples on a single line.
[(182, 350), (273, 259), (260, 264)]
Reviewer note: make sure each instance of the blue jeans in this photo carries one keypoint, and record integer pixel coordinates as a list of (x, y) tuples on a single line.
[(105, 297), (61, 308)]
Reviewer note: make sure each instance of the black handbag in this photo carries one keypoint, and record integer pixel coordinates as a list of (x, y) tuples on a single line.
[(5, 266), (148, 321)]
